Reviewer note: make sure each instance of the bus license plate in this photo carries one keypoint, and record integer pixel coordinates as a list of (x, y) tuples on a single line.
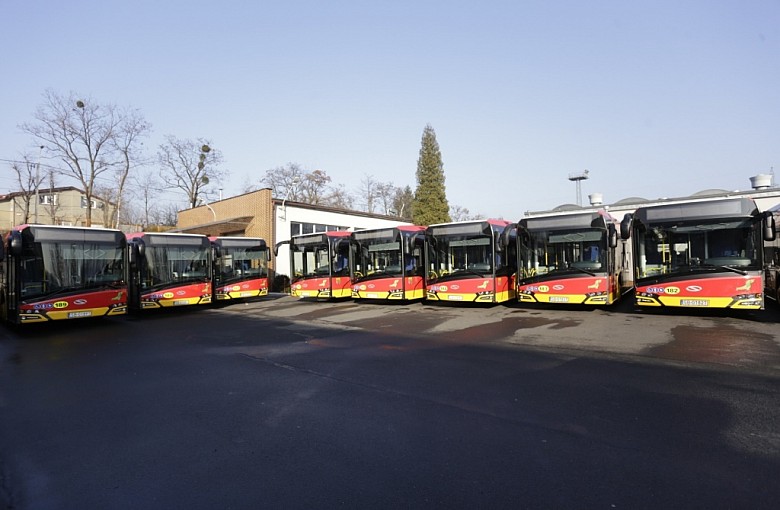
[(694, 302), (559, 299), (74, 315), (372, 295), (455, 298), (180, 302)]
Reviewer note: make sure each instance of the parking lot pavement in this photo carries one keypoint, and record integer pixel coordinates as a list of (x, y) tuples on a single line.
[(747, 340)]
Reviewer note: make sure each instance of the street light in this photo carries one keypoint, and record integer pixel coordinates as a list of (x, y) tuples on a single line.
[(290, 190), (37, 182)]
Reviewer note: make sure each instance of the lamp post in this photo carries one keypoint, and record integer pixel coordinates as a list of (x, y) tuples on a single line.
[(290, 190), (37, 182)]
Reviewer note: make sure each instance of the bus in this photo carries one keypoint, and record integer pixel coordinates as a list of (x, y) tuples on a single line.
[(569, 258), (240, 267), (51, 273), (471, 261), (389, 263), (702, 254), (320, 264), (772, 255), (169, 270)]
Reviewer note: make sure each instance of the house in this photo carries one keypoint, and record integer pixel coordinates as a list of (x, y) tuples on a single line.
[(55, 206)]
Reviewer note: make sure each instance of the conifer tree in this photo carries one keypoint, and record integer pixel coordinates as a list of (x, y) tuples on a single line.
[(430, 199)]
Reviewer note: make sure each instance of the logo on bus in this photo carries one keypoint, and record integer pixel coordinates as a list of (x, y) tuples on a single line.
[(672, 290), (79, 302), (61, 304), (558, 287), (655, 290), (693, 288)]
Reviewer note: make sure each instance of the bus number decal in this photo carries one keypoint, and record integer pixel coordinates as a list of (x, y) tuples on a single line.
[(61, 304)]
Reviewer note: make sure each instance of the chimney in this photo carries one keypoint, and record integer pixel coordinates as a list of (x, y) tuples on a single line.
[(596, 199), (761, 181)]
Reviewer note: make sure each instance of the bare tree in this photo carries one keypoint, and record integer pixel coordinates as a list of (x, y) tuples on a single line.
[(314, 188), (339, 197), (86, 137), (368, 192), (285, 181), (128, 145), (29, 179), (291, 182), (147, 187), (459, 213), (190, 165), (385, 195), (52, 206), (402, 202)]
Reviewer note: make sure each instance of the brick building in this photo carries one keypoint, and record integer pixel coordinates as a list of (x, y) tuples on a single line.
[(258, 214)]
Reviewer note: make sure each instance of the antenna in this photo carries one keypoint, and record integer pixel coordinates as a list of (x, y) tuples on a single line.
[(578, 178)]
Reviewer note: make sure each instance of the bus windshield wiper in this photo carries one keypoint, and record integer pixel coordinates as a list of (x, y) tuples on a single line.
[(582, 270), (471, 272), (64, 290), (734, 269)]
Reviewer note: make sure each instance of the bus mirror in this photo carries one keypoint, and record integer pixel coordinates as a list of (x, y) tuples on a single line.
[(277, 245), (613, 236), (15, 244), (2, 251), (132, 254), (506, 235), (625, 226), (770, 229)]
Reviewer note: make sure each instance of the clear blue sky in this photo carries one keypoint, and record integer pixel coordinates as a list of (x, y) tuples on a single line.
[(661, 98)]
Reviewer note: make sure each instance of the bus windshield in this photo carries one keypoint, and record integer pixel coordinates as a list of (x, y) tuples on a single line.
[(57, 266), (314, 260), (166, 263), (381, 257), (466, 254), (240, 262), (672, 248), (544, 251)]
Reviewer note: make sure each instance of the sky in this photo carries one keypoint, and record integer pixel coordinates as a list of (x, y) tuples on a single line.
[(654, 98)]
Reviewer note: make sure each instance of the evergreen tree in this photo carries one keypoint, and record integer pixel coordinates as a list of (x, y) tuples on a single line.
[(430, 199)]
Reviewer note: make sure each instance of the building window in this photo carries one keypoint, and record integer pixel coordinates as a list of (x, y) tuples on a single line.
[(95, 203), (47, 199), (295, 228)]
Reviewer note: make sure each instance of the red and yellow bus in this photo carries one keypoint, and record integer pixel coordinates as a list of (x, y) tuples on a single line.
[(50, 273), (321, 264), (471, 261), (702, 254), (570, 258), (389, 263), (169, 270), (240, 267)]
